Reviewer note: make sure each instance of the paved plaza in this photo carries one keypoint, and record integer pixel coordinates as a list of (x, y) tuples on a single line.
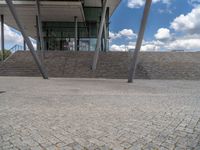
[(98, 114)]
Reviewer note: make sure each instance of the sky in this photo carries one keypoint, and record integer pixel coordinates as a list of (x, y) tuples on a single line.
[(172, 25)]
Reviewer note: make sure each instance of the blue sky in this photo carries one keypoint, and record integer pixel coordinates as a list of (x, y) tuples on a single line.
[(132, 16), (163, 14), (172, 25)]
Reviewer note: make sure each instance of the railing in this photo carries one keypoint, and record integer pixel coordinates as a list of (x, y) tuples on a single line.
[(16, 47)]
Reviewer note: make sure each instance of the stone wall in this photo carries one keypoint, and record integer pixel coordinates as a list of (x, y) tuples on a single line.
[(152, 65)]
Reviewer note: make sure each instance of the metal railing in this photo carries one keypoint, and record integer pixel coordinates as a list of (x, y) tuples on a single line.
[(16, 47)]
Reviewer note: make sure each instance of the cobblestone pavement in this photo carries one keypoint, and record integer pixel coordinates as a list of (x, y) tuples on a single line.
[(80, 114)]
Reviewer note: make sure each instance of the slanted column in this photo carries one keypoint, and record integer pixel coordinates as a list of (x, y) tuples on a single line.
[(38, 35), (134, 60), (39, 29), (2, 37), (98, 45), (76, 33), (26, 38), (105, 37), (105, 31)]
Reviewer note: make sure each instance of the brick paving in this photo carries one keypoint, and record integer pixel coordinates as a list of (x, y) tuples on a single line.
[(97, 114)]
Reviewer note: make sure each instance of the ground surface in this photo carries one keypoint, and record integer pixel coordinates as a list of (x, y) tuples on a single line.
[(98, 114)]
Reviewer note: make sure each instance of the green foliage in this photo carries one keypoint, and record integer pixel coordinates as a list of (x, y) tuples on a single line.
[(7, 53)]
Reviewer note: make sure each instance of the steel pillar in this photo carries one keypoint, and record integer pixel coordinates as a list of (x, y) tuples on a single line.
[(24, 45), (2, 37), (38, 35), (105, 37), (105, 32), (39, 26), (26, 38), (134, 59), (98, 45), (76, 33)]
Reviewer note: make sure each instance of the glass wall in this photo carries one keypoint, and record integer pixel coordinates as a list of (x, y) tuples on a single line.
[(61, 35)]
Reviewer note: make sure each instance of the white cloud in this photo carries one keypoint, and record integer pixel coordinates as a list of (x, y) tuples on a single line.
[(127, 33), (116, 47), (150, 47), (140, 3), (187, 44), (146, 46), (123, 47), (136, 3), (163, 34), (112, 35), (12, 37), (189, 27), (189, 23)]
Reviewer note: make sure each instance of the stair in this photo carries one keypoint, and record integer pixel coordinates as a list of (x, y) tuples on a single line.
[(114, 65), (172, 65)]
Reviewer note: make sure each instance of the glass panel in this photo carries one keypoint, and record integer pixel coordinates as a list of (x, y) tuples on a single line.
[(84, 44), (93, 42), (60, 35), (69, 44)]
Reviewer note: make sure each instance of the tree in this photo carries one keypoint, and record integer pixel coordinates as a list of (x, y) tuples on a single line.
[(7, 53)]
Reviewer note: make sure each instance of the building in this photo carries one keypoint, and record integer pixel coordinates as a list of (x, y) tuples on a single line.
[(66, 24), (73, 25)]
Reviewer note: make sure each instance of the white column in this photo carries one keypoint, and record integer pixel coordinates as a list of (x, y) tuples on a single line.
[(105, 37), (98, 45), (134, 60)]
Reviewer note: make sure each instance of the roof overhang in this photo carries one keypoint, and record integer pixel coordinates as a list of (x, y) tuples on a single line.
[(112, 4), (26, 10), (50, 11)]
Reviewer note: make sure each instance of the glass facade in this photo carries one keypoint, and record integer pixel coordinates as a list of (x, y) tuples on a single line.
[(61, 35)]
